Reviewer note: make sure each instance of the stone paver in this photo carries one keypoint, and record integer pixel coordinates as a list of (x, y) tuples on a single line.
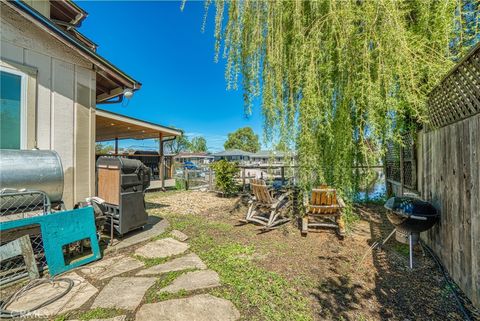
[(155, 226), (193, 281), (189, 261), (204, 307), (123, 293), (162, 248), (81, 292), (112, 266), (117, 318), (179, 235)]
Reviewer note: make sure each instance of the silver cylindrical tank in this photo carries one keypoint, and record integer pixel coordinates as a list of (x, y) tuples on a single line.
[(39, 170)]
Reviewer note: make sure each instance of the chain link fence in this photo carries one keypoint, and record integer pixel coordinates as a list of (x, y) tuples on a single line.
[(193, 177), (16, 205)]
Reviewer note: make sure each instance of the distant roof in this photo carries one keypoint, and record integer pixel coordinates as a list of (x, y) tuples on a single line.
[(268, 153), (189, 154), (232, 152)]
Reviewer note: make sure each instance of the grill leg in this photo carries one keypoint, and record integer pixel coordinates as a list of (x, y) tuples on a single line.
[(111, 230), (410, 241)]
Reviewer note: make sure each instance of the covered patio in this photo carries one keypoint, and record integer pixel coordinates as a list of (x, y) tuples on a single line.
[(114, 127)]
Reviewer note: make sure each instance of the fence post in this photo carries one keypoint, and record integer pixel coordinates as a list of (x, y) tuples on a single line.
[(282, 171), (185, 172), (210, 178), (402, 177), (243, 178)]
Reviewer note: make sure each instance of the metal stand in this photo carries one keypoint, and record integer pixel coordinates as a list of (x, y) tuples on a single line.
[(376, 244)]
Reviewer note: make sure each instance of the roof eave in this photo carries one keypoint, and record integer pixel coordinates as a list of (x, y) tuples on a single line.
[(75, 44)]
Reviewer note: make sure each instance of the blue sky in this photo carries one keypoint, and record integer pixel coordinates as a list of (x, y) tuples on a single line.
[(164, 49)]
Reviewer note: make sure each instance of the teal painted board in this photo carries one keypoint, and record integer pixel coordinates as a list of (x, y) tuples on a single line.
[(59, 229)]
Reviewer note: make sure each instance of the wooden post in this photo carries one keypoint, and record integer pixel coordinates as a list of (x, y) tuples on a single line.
[(116, 145), (185, 173), (282, 171), (243, 178), (161, 169), (388, 190)]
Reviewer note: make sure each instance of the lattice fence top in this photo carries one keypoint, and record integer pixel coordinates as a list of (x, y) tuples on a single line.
[(458, 96)]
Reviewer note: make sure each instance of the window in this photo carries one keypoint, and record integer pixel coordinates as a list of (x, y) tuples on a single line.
[(12, 109)]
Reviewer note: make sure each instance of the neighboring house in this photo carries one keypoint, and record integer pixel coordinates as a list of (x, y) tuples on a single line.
[(258, 158), (268, 157), (196, 158), (233, 155), (51, 81)]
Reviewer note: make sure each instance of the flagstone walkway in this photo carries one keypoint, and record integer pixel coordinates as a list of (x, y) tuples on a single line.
[(124, 281)]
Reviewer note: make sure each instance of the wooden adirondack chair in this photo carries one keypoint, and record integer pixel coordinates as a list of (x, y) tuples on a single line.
[(266, 208), (323, 205)]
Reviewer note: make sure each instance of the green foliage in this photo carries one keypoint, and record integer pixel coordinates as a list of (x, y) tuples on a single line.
[(149, 262), (180, 144), (153, 294), (180, 184), (99, 313), (101, 148), (225, 172), (244, 139), (259, 293), (198, 144), (338, 79)]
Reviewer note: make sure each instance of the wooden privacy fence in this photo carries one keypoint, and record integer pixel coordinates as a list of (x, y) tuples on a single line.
[(448, 174)]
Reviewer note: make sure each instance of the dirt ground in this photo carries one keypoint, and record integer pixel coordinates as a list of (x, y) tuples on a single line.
[(343, 279)]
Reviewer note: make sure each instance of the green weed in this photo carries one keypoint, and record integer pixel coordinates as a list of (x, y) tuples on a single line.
[(99, 313)]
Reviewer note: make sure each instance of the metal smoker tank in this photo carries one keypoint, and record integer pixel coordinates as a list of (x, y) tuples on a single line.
[(30, 170)]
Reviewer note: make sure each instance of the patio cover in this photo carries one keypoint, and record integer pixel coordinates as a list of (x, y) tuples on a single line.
[(112, 126)]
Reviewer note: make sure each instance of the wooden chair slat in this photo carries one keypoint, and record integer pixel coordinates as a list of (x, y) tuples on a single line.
[(324, 202)]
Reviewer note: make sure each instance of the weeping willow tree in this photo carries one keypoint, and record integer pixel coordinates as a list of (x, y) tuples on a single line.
[(337, 79)]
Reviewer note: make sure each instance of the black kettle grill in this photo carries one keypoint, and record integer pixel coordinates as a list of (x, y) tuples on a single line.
[(410, 216)]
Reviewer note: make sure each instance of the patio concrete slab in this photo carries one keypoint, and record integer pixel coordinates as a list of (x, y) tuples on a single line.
[(155, 226), (194, 281), (112, 266), (179, 235), (203, 307), (162, 248), (123, 293), (117, 318), (189, 261), (81, 292)]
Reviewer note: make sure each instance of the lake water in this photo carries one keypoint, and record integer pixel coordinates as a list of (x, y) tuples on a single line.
[(376, 191)]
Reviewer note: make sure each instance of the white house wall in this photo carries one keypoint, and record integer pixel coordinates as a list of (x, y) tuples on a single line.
[(65, 100)]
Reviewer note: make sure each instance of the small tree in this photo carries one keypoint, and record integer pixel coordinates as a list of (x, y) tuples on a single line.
[(180, 144), (225, 176), (244, 139), (198, 144), (101, 148)]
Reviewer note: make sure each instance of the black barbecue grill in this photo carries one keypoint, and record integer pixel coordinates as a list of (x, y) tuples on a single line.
[(410, 216), (122, 182)]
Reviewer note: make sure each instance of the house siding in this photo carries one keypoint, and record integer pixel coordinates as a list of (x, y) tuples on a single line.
[(65, 100)]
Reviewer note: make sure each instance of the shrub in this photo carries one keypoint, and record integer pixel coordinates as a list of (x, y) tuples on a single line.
[(179, 184), (225, 176)]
